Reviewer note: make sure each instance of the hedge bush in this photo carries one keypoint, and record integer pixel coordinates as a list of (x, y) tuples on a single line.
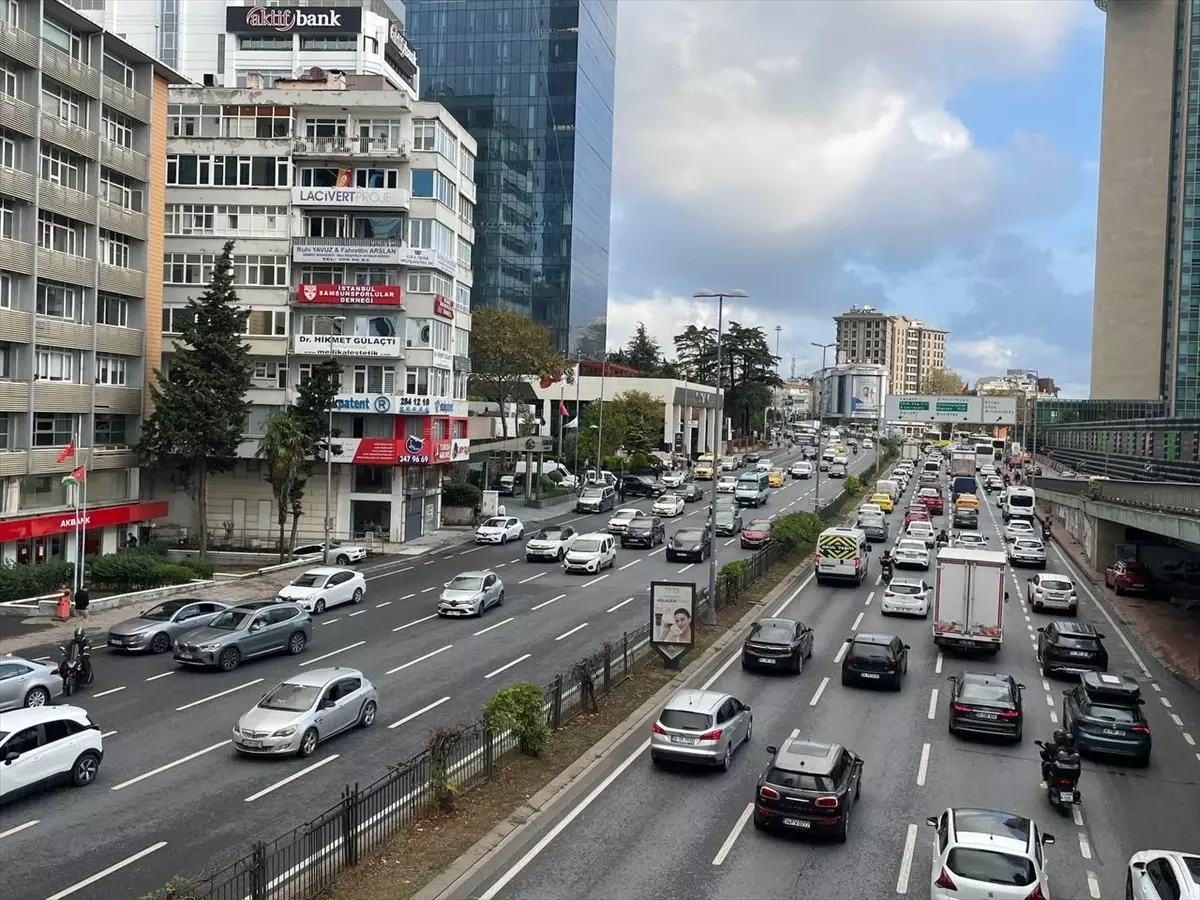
[(461, 493), (521, 709), (797, 529), (21, 581), (142, 570), (733, 575), (853, 485)]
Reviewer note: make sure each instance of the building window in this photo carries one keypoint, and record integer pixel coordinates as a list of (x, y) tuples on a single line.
[(267, 322), (426, 281), (6, 432), (264, 42), (120, 191), (58, 301), (389, 228), (416, 381), (466, 210), (8, 150), (327, 226), (64, 105), (55, 365), (112, 309), (372, 479), (63, 167), (325, 129), (466, 163), (118, 70), (60, 233), (7, 355), (43, 491), (462, 298), (175, 319), (385, 134), (374, 275), (8, 81), (7, 218), (112, 370), (227, 221), (114, 249), (322, 274), (305, 372), (374, 380), (377, 178), (329, 43), (118, 129), (63, 38), (424, 134), (270, 374), (260, 271), (464, 252), (6, 290), (184, 170), (107, 485), (324, 325)]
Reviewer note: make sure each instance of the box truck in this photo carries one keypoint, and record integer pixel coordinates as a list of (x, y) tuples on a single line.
[(969, 598)]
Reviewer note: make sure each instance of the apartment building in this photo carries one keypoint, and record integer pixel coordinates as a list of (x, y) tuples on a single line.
[(82, 156), (352, 210), (908, 348)]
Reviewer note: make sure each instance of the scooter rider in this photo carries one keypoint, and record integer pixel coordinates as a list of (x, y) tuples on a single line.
[(886, 565), (943, 539), (1046, 528), (1062, 743), (83, 647)]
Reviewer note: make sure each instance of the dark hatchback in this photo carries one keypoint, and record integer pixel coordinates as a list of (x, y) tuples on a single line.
[(689, 544), (810, 786), (640, 486), (690, 492), (877, 659), (729, 521), (777, 644), (644, 531), (752, 458), (1071, 647), (1105, 712), (986, 704)]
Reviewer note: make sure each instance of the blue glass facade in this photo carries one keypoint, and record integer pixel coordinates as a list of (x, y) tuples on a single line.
[(533, 82), (1181, 331)]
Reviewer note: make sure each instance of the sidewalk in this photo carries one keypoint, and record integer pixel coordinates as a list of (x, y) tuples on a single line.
[(1172, 634)]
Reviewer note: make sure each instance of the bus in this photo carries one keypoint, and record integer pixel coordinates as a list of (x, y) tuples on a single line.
[(998, 445), (984, 455)]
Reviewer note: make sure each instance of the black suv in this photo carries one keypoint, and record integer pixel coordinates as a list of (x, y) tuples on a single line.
[(752, 458), (644, 531), (1105, 713), (1071, 647), (877, 658), (640, 486), (810, 786)]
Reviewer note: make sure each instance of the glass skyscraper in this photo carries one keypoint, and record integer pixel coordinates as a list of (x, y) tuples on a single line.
[(532, 81)]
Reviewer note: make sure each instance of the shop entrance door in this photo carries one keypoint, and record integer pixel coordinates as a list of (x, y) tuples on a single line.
[(414, 518)]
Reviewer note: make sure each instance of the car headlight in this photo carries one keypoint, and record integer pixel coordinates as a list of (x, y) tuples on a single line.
[(208, 648), (285, 732)]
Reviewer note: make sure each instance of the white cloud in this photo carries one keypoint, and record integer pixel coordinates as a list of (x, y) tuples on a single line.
[(992, 356)]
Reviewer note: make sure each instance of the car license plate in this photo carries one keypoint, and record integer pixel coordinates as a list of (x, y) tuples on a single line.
[(1066, 796), (869, 675), (676, 739), (253, 745), (186, 656), (797, 823), (984, 715), (1112, 731), (1078, 653), (766, 661)]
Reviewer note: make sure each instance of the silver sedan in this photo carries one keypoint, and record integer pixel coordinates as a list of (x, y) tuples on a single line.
[(156, 629), (25, 683)]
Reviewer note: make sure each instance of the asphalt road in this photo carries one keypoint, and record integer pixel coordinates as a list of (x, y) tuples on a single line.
[(171, 781), (631, 830)]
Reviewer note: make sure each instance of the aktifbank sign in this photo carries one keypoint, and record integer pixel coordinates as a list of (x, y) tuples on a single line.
[(372, 198), (292, 20)]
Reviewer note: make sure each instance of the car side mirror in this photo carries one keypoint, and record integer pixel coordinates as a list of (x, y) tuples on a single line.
[(951, 678), (1140, 866), (906, 647), (445, 584), (11, 757), (1020, 687), (1047, 839), (1100, 635), (1041, 630), (772, 750), (931, 821), (1006, 596)]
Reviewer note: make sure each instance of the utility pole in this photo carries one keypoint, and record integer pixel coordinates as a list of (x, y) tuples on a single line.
[(820, 417)]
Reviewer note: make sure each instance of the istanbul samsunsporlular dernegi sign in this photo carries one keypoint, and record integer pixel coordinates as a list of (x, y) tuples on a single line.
[(293, 20)]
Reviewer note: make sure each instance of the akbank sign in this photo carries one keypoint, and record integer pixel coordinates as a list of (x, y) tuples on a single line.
[(376, 403)]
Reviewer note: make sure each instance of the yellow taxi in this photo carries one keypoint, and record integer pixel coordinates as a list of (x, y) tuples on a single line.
[(884, 501), (775, 478), (840, 448), (704, 468)]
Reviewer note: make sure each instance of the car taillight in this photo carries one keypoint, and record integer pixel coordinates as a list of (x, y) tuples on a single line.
[(714, 735), (1140, 729), (1064, 780), (958, 707), (817, 558), (1008, 713), (1037, 590), (945, 881), (1036, 893), (857, 560), (657, 729), (826, 802), (768, 793)]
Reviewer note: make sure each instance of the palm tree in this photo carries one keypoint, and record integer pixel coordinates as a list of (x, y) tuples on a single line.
[(286, 448)]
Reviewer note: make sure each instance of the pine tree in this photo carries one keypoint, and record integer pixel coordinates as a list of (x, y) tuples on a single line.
[(314, 398), (200, 405)]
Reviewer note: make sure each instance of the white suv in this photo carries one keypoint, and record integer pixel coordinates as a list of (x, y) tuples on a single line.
[(987, 853), (47, 744)]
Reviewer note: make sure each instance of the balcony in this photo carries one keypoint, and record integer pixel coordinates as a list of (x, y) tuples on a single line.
[(343, 148), (14, 396), (18, 184), (130, 282), (12, 462), (59, 266), (66, 69), (126, 100), (16, 256), (61, 397), (65, 201), (122, 220), (61, 333), (351, 198), (14, 326), (122, 401), (120, 341), (20, 45), (126, 161), (71, 136), (18, 115)]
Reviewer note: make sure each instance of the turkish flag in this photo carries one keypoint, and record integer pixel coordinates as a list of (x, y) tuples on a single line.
[(562, 409)]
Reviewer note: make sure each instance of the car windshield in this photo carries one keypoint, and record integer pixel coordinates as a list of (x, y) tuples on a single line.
[(991, 866), (898, 587), (759, 525), (1020, 500), (669, 498), (625, 514), (974, 691), (1020, 526), (725, 516), (971, 538), (689, 534), (1190, 863), (465, 583), (1028, 545), (549, 534), (799, 781), (309, 580), (164, 611), (586, 545), (920, 528), (494, 523), (641, 522), (727, 460), (773, 632), (1120, 714), (1056, 584), (231, 619), (593, 493), (917, 546), (928, 492), (291, 698), (684, 720)]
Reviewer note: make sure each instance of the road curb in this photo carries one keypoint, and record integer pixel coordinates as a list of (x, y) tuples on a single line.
[(471, 863)]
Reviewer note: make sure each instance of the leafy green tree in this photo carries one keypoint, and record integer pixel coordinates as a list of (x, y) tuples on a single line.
[(747, 369), (200, 405), (638, 418), (941, 382), (642, 353), (314, 399), (286, 450), (506, 349)]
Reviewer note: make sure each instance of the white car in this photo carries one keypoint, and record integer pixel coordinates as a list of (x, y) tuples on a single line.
[(910, 554), (987, 471), (325, 586), (673, 479), (868, 444), (726, 484), (802, 469), (1027, 552), (1045, 591), (339, 554), (921, 531), (904, 597), (1067, 473), (35, 755), (500, 530), (591, 553), (668, 505), (870, 511), (764, 465), (1018, 528), (622, 517), (1155, 874), (841, 460), (973, 849), (552, 542), (969, 540)]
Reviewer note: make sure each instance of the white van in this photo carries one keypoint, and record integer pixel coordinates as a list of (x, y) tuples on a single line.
[(842, 555), (550, 469), (753, 489), (889, 487), (1018, 502)]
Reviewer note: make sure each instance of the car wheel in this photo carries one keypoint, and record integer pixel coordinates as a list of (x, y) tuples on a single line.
[(504, 539), (367, 717), (500, 602), (84, 771), (520, 534), (1117, 589), (1020, 735), (562, 554), (727, 760), (229, 659), (319, 607), (844, 832), (749, 731), (342, 559), (845, 680), (358, 595), (759, 823), (160, 643), (308, 744), (37, 696), (296, 643), (1045, 670)]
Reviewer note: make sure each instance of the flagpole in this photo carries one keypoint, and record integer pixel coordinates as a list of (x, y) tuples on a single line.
[(83, 526), (76, 574), (578, 379), (562, 419)]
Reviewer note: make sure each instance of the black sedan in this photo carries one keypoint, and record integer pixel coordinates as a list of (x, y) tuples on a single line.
[(986, 704), (690, 492), (689, 545), (644, 531), (809, 787), (640, 486), (777, 644)]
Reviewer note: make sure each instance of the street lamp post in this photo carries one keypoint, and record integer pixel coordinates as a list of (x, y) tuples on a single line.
[(711, 617), (824, 348), (1033, 455), (337, 321)]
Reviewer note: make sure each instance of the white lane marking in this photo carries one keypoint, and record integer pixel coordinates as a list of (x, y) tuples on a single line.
[(728, 542), (870, 597), (293, 777), (656, 552), (219, 695), (1085, 849), (1053, 717), (506, 666), (429, 562), (170, 765), (108, 734), (159, 675), (841, 654), (317, 659), (688, 566), (434, 588), (413, 662), (408, 596), (383, 604), (619, 605), (933, 698), (531, 578), (572, 631), (115, 690), (359, 613), (923, 767), (937, 666), (472, 550), (547, 602), (414, 622), (493, 627), (1076, 816), (857, 621), (331, 621), (1045, 685), (420, 712), (906, 861), (594, 581), (17, 829), (796, 593), (738, 826), (795, 733), (104, 873), (499, 565), (1163, 700), (1093, 885), (1049, 700), (1191, 740), (628, 564), (1157, 689), (816, 698), (1175, 718)]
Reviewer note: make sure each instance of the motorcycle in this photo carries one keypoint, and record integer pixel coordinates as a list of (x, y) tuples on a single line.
[(1060, 771), (886, 570), (75, 669)]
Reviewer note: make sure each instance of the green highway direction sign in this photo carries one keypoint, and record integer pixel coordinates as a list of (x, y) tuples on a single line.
[(926, 408)]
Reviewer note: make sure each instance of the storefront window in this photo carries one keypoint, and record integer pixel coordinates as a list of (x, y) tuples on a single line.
[(414, 479), (43, 492), (372, 480), (108, 485)]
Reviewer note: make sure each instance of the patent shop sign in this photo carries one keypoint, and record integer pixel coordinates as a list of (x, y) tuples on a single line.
[(350, 294), (292, 20)]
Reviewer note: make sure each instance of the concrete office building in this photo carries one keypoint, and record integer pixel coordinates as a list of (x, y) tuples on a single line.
[(907, 348), (533, 81), (1146, 318), (82, 155), (352, 210)]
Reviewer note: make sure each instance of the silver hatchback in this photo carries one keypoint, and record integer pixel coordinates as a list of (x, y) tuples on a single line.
[(24, 683), (471, 594), (702, 727), (308, 708)]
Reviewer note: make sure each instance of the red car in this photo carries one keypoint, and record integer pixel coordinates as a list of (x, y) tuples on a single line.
[(1129, 576), (757, 534), (917, 513), (932, 500)]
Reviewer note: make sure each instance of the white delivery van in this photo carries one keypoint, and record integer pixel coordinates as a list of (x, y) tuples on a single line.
[(889, 487), (842, 555), (1017, 503), (550, 469), (969, 598)]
